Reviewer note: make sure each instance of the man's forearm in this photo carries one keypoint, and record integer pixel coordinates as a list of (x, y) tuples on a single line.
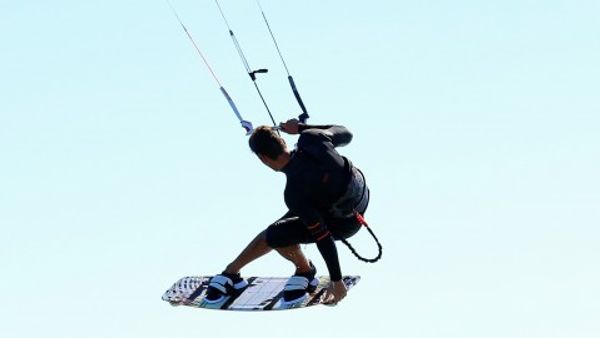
[(328, 250)]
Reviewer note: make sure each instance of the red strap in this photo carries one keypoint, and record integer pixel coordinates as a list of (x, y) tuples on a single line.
[(361, 219)]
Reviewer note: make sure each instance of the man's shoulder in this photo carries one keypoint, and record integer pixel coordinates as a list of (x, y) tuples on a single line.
[(312, 136)]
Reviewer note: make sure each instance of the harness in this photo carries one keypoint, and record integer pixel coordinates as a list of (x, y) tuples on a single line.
[(346, 204), (343, 204)]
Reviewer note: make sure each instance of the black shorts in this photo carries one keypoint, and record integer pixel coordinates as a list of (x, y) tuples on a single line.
[(290, 230)]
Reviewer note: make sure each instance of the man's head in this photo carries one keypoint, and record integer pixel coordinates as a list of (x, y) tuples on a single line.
[(269, 147)]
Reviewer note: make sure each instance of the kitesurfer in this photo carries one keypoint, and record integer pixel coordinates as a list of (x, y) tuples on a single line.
[(326, 196)]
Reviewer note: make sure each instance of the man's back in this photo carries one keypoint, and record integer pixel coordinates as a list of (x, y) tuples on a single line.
[(317, 175)]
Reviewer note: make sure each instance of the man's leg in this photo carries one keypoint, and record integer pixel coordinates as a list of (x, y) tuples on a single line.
[(294, 254), (287, 230), (256, 248)]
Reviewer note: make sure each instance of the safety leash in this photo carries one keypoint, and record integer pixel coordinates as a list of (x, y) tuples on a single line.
[(361, 219)]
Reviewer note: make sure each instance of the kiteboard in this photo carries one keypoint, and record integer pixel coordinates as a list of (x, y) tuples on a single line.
[(261, 294)]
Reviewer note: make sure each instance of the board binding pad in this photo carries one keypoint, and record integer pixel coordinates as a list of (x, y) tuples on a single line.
[(261, 294)]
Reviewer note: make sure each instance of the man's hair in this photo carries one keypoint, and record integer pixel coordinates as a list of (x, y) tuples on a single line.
[(265, 141)]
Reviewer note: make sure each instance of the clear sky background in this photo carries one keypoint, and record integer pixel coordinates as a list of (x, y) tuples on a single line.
[(123, 169)]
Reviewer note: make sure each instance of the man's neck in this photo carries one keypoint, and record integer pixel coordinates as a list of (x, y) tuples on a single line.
[(282, 161)]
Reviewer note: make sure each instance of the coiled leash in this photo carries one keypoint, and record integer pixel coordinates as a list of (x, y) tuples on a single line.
[(361, 219)]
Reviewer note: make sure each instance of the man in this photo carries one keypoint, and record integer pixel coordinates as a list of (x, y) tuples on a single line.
[(325, 195)]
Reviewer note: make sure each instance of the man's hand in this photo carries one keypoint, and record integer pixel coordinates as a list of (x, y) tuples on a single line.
[(336, 291), (290, 126)]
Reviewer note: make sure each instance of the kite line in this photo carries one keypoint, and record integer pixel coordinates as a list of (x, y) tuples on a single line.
[(247, 125)]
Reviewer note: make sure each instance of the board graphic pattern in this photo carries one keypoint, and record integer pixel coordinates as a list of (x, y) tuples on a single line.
[(262, 293)]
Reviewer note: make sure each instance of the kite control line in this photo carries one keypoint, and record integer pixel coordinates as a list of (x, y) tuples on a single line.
[(304, 116), (245, 124), (251, 73)]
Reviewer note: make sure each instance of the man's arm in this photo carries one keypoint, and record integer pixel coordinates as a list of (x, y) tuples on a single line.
[(321, 234), (336, 291), (338, 135), (328, 250)]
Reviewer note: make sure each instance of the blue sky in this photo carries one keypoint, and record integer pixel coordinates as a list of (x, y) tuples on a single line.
[(123, 169)]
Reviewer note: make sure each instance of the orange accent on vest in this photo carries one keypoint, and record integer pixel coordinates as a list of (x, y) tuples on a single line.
[(314, 226)]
